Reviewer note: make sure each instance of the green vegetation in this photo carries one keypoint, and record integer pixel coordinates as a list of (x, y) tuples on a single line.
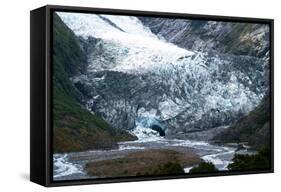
[(74, 127), (66, 48), (204, 167), (169, 168), (259, 161), (252, 128)]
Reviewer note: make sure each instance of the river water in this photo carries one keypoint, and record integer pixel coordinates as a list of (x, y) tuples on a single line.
[(71, 165)]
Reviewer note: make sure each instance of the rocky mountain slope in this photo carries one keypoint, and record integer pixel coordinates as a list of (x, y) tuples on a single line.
[(201, 35), (252, 128)]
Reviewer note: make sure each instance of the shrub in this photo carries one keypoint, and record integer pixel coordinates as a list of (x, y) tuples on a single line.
[(251, 162), (204, 167), (169, 168)]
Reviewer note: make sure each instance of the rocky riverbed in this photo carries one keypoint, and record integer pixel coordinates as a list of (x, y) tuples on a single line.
[(188, 153)]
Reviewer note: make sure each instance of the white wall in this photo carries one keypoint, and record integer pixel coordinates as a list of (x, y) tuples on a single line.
[(14, 97)]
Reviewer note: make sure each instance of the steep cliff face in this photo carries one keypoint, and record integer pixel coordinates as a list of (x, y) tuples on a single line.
[(224, 37), (144, 73)]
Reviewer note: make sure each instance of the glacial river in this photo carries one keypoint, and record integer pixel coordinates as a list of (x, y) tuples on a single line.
[(71, 165)]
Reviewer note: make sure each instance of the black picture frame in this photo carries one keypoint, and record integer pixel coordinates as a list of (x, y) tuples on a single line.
[(41, 154)]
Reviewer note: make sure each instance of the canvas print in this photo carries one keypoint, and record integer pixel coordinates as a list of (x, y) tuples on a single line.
[(149, 96)]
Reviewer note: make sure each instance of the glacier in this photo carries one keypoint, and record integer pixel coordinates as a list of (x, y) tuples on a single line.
[(134, 73)]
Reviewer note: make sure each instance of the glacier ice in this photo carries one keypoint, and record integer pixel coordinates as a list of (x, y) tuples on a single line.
[(179, 87)]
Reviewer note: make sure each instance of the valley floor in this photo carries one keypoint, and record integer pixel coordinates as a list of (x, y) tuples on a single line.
[(132, 157)]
